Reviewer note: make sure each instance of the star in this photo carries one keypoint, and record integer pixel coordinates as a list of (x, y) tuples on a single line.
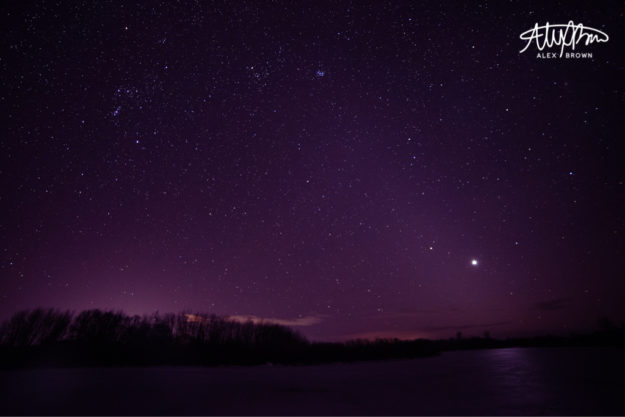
[(474, 262)]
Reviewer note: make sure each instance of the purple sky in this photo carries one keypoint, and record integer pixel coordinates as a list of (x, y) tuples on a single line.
[(332, 165)]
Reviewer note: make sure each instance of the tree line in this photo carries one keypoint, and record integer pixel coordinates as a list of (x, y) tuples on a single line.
[(49, 337)]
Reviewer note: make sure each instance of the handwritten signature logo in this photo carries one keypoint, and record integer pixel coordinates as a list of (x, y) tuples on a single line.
[(562, 36)]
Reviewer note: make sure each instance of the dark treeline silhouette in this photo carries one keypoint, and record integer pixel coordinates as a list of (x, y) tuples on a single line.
[(608, 335), (47, 337)]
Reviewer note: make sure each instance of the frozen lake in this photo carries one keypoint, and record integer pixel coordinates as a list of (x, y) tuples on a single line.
[(530, 381)]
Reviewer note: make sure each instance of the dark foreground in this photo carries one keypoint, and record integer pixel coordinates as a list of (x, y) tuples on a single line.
[(529, 381)]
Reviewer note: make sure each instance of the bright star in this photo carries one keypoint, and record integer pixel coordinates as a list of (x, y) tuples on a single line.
[(474, 262)]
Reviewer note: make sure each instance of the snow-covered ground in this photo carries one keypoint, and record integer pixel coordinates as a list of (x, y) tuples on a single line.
[(504, 381)]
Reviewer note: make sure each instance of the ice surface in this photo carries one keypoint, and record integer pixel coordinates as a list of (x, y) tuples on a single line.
[(504, 381)]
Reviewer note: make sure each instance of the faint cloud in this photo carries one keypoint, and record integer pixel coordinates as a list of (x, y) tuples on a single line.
[(194, 318), (300, 321), (553, 304)]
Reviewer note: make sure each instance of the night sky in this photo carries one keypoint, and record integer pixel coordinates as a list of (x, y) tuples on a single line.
[(352, 169)]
